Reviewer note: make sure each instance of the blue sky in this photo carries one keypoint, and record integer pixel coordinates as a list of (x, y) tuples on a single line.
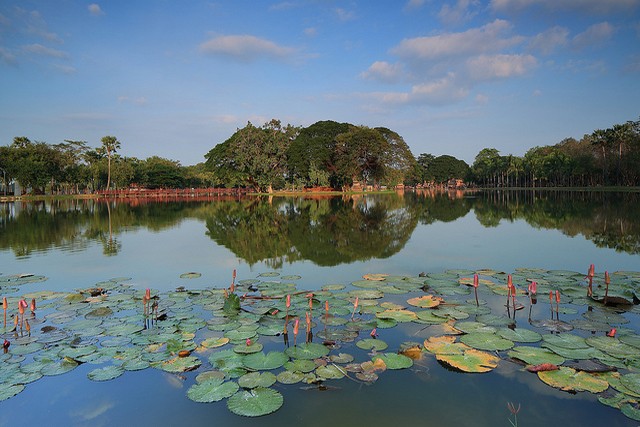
[(451, 77)]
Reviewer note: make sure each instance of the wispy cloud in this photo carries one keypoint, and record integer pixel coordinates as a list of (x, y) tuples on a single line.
[(488, 38), (501, 66), (95, 9), (344, 15), (39, 49), (383, 71), (459, 13), (548, 41), (140, 100), (414, 4), (7, 57), (594, 35), (245, 48)]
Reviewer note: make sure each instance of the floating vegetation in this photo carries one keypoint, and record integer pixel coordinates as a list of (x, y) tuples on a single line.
[(243, 340)]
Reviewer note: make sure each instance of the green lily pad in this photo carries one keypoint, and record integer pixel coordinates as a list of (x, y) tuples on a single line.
[(256, 402), (632, 382), (394, 361), (612, 346), (372, 344), (290, 377), (307, 351), (535, 355), (254, 347), (330, 372), (105, 374), (300, 365), (565, 340), (190, 275), (568, 379), (257, 379), (7, 392), (520, 335), (485, 341), (212, 390), (181, 364), (262, 362)]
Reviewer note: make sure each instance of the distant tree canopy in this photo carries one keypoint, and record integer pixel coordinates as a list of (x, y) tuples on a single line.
[(327, 153), (324, 154), (604, 157)]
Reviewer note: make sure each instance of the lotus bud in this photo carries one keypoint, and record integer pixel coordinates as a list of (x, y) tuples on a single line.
[(374, 333), (288, 303), (592, 271), (4, 303), (248, 342), (476, 281), (612, 333), (33, 305), (295, 326), (607, 278), (558, 297), (533, 288)]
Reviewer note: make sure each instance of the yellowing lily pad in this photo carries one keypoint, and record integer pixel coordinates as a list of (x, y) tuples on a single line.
[(470, 361), (425, 301), (568, 379), (445, 345)]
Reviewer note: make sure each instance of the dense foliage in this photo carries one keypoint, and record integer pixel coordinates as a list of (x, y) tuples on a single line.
[(324, 154), (604, 157)]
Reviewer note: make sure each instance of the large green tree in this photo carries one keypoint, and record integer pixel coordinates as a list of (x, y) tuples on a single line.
[(362, 154)]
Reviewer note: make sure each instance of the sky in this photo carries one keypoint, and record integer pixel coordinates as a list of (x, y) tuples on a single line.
[(174, 79)]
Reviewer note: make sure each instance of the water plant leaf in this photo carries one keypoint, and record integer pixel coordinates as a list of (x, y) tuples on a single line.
[(190, 275), (330, 372), (289, 377), (520, 335), (309, 351), (372, 344), (214, 342), (444, 345), (535, 355), (257, 379), (106, 373), (7, 392), (569, 379), (394, 361), (631, 382), (300, 365), (256, 402), (212, 390), (565, 340), (253, 347), (262, 362), (471, 360), (612, 346), (425, 301), (485, 341), (397, 315), (181, 364)]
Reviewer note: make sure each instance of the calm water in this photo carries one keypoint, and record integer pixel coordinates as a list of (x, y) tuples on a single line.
[(326, 241)]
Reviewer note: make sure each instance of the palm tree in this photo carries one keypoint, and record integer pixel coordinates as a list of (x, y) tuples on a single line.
[(110, 145)]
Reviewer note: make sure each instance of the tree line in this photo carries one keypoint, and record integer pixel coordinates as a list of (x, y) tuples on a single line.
[(72, 167), (326, 154)]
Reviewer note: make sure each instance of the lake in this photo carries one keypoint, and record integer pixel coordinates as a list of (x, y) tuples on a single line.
[(428, 243)]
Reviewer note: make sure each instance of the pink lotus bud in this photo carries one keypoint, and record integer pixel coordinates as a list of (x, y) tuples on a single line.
[(612, 333), (248, 342), (607, 278), (288, 303), (533, 288), (476, 281)]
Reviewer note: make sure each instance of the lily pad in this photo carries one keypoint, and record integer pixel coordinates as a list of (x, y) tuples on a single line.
[(7, 392), (569, 379), (289, 377), (485, 341), (181, 364), (105, 374), (257, 379), (372, 344), (262, 362), (394, 361), (535, 355), (212, 390), (425, 301), (256, 402), (307, 351), (520, 335), (471, 360)]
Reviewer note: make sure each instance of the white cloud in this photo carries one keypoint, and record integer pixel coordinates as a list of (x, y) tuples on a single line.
[(66, 69), (593, 35), (95, 9), (39, 49), (445, 90), (7, 57), (414, 4), (344, 15), (489, 67), (383, 71), (549, 40), (310, 31), (459, 13), (245, 48), (488, 38)]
